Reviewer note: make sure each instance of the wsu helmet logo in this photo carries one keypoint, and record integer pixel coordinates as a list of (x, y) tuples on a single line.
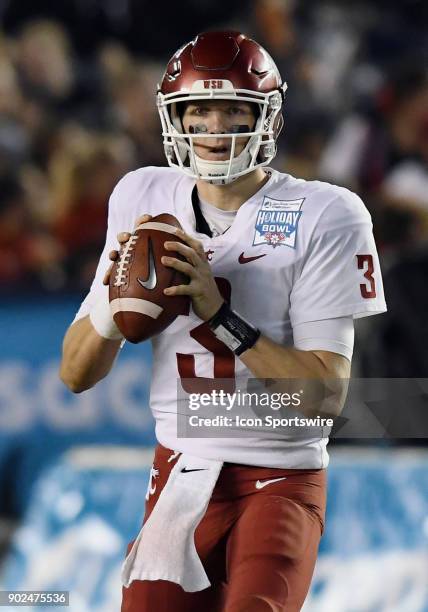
[(213, 84)]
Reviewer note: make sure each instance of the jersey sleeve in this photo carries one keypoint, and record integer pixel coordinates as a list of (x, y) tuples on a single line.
[(97, 289), (341, 273)]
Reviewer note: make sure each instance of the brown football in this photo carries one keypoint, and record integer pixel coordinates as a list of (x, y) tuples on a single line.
[(139, 307)]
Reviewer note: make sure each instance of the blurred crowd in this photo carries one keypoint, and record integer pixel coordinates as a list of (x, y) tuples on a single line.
[(73, 120), (69, 129)]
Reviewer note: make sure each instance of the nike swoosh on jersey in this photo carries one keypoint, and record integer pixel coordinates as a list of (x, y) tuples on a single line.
[(186, 471), (243, 260), (260, 484), (152, 280)]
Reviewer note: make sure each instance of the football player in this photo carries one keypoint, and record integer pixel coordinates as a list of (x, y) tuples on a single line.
[(278, 268)]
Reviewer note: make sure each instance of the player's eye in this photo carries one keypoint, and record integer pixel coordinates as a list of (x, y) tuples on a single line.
[(199, 111), (237, 110)]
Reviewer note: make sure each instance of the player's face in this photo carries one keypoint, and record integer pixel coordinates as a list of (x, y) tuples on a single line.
[(218, 117)]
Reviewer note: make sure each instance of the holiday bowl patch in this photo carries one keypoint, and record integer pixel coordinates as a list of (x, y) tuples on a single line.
[(277, 222)]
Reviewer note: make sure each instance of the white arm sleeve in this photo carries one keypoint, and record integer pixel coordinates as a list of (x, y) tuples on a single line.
[(335, 335)]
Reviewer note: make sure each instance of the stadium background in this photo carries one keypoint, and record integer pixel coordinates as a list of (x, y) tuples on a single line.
[(77, 83)]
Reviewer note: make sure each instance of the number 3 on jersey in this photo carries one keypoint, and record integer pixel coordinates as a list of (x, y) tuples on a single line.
[(224, 358), (368, 289)]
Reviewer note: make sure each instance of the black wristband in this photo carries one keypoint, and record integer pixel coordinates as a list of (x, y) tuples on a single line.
[(236, 333)]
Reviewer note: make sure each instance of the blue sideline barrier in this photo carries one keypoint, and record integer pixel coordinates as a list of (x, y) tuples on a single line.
[(39, 417)]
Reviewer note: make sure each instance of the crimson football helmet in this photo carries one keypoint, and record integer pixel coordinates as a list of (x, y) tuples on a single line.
[(222, 66)]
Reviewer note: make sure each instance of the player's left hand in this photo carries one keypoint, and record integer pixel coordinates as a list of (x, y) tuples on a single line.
[(202, 288)]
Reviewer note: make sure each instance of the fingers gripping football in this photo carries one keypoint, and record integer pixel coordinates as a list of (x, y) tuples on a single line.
[(122, 239), (202, 289)]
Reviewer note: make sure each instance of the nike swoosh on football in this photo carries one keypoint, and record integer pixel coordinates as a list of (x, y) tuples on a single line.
[(260, 485), (243, 260), (150, 283), (186, 471)]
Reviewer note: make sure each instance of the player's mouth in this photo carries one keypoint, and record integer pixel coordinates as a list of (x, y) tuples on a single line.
[(217, 153), (220, 152)]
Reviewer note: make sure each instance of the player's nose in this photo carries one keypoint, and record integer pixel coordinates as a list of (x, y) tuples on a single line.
[(217, 123)]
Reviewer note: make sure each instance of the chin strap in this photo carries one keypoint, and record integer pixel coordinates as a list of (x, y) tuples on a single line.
[(217, 170)]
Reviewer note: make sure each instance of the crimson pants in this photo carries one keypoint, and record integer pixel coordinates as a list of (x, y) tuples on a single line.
[(258, 544)]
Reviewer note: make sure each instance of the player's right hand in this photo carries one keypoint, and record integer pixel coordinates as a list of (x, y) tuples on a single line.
[(122, 238)]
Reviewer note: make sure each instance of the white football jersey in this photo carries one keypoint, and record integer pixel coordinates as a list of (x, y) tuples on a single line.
[(297, 251)]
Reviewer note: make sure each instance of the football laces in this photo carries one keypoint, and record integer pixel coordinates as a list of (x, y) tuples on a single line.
[(122, 267)]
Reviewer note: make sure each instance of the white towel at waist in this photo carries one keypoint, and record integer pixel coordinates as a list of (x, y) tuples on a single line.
[(165, 547)]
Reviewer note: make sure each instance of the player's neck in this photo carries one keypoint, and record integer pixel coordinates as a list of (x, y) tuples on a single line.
[(233, 195)]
